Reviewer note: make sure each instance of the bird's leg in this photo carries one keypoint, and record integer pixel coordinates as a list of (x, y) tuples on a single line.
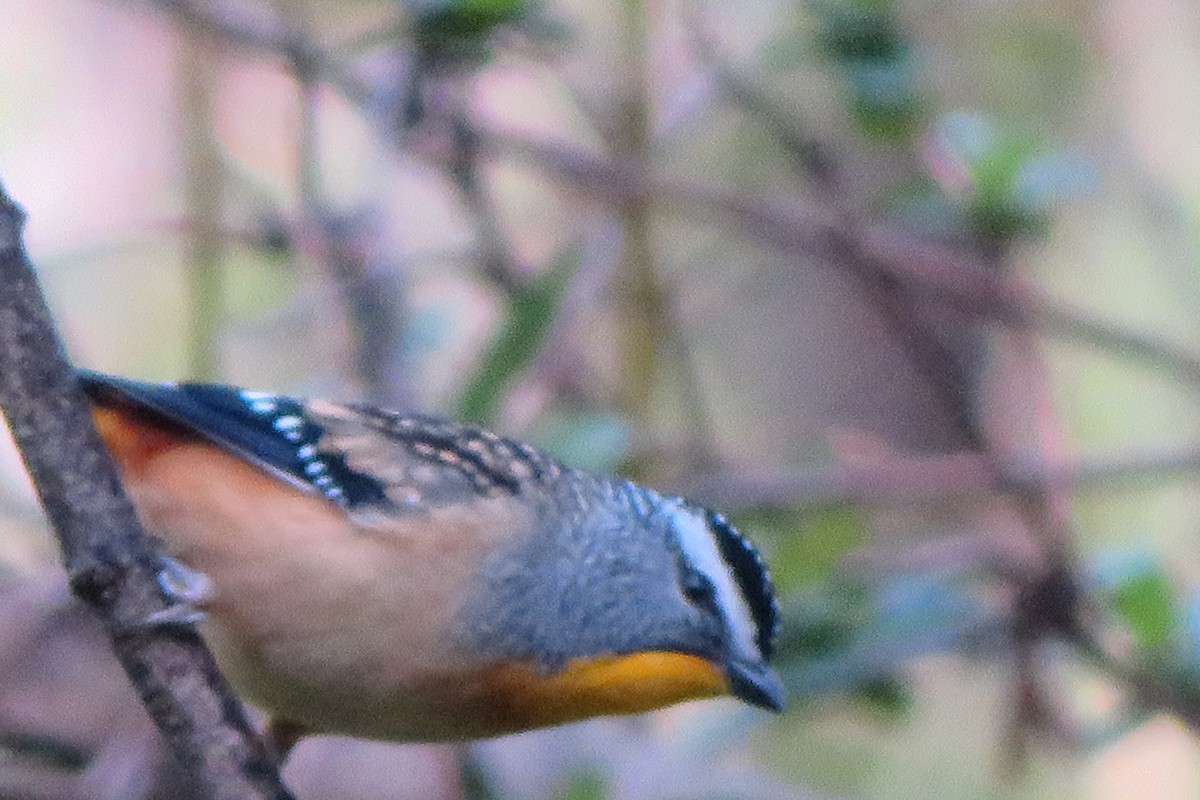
[(185, 588)]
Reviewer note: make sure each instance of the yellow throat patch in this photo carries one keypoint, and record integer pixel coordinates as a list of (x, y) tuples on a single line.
[(607, 685)]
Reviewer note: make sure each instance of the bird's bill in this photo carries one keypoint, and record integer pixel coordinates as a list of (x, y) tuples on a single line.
[(756, 683)]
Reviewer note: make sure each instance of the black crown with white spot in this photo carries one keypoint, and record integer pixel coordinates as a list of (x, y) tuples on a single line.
[(745, 563)]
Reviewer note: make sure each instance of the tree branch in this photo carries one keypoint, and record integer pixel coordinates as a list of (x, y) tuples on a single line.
[(109, 559), (924, 478)]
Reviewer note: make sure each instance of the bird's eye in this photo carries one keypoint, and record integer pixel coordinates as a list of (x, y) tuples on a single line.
[(698, 589)]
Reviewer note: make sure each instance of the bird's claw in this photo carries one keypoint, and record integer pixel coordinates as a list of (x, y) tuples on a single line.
[(184, 588)]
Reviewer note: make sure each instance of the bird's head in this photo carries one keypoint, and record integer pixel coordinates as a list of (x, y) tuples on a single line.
[(625, 601)]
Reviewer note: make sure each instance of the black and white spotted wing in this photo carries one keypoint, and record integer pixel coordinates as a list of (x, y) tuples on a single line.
[(356, 456)]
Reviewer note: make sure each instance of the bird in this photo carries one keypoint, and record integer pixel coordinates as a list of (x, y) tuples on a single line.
[(370, 573)]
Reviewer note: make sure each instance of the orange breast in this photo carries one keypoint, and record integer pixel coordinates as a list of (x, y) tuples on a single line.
[(134, 438)]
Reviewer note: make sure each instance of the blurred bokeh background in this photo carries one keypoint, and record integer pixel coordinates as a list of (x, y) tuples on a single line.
[(907, 288)]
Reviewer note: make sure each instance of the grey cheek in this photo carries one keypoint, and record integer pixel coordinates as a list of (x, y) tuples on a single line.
[(499, 616)]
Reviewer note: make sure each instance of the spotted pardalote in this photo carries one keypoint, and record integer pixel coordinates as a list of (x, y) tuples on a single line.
[(398, 577)]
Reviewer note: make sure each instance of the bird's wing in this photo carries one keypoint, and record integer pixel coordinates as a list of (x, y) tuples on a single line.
[(356, 456)]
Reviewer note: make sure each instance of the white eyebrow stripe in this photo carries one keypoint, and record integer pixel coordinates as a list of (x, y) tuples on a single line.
[(699, 547)]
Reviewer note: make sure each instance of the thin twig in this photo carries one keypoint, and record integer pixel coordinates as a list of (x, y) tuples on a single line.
[(371, 299), (233, 26), (806, 150), (109, 559), (640, 300), (1148, 688), (923, 479), (942, 273), (204, 179), (496, 260), (650, 334)]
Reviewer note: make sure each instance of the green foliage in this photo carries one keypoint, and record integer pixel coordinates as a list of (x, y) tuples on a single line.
[(1161, 619), (531, 310), (1143, 600), (888, 695), (474, 779), (461, 29), (1001, 184), (864, 41), (1004, 181), (586, 785), (464, 18), (859, 30), (853, 638), (1146, 603), (592, 440), (806, 544), (822, 620)]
